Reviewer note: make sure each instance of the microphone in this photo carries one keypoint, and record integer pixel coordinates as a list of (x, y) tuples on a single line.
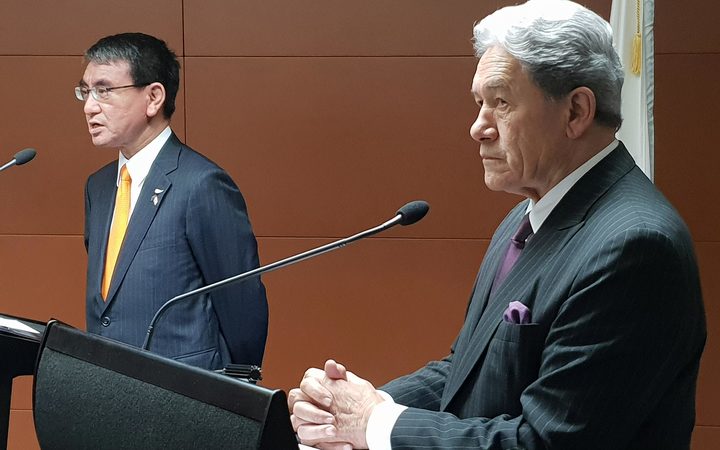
[(20, 158), (407, 215)]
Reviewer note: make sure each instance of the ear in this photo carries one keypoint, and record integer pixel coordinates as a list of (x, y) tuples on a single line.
[(155, 99), (582, 111)]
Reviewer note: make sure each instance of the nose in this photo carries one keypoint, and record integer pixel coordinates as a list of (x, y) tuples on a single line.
[(91, 106), (484, 128)]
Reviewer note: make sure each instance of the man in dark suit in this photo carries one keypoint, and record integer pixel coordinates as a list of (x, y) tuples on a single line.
[(162, 220), (586, 325)]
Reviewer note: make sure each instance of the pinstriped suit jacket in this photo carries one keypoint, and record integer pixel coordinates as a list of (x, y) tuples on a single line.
[(196, 234), (611, 358)]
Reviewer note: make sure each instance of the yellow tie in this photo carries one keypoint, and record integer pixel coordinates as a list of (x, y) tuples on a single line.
[(117, 229)]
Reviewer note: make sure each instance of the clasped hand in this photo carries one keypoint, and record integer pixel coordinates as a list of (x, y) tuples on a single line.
[(331, 408)]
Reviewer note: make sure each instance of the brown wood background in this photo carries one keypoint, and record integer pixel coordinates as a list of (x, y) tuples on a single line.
[(329, 114)]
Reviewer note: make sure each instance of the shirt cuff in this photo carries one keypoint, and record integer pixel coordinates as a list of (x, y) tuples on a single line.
[(381, 422)]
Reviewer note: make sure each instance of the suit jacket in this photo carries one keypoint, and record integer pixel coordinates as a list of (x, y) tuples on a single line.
[(611, 358), (189, 228)]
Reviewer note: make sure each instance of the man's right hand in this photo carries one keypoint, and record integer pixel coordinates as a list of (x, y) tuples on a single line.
[(332, 407)]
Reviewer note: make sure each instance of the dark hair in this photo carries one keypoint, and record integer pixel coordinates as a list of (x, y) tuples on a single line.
[(149, 58)]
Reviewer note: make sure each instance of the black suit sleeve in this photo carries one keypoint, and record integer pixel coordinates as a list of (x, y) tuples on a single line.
[(423, 388), (616, 345)]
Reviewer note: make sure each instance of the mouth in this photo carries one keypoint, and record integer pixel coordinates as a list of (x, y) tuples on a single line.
[(488, 157), (94, 127), (492, 162)]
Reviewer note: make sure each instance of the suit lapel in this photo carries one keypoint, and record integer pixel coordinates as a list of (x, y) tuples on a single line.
[(562, 224), (145, 210), (491, 264), (103, 204), (480, 323)]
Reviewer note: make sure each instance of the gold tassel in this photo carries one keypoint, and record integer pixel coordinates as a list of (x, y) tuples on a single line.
[(636, 55), (636, 60)]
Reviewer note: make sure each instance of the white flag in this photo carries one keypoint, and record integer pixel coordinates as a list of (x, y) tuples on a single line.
[(628, 19)]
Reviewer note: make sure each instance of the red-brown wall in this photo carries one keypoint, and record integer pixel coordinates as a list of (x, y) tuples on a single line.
[(329, 115)]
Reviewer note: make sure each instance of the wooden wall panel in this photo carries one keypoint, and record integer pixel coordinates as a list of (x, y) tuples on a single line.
[(705, 438), (43, 277), (324, 146), (687, 27), (686, 136), (22, 393), (21, 433), (330, 27), (46, 195), (49, 27), (601, 7), (384, 306)]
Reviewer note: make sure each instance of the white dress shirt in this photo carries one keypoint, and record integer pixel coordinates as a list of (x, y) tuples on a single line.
[(139, 165)]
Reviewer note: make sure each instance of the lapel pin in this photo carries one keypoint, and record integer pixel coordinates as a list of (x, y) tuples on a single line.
[(154, 198)]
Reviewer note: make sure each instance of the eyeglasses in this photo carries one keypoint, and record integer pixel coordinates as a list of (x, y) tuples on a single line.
[(100, 93)]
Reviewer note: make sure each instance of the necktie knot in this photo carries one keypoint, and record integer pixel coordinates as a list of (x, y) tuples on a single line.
[(125, 175), (523, 233), (514, 248)]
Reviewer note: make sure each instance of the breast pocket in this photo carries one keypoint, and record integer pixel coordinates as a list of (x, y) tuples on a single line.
[(511, 364), (521, 334), (517, 349), (162, 234)]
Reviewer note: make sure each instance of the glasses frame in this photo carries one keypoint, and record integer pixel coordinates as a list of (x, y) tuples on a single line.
[(105, 89)]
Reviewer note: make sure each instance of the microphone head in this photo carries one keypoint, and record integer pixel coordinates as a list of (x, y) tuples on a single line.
[(25, 155), (413, 212)]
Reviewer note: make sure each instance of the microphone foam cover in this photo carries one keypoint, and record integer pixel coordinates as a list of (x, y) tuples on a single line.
[(413, 212), (24, 156)]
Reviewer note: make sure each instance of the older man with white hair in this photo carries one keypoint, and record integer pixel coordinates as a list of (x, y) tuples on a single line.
[(586, 324)]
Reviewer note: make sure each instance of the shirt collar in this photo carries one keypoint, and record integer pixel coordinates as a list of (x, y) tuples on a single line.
[(139, 165), (541, 210)]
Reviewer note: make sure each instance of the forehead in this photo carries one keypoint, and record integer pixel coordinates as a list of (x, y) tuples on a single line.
[(497, 69), (107, 73)]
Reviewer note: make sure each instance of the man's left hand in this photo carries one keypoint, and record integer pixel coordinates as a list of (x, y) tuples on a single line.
[(348, 398)]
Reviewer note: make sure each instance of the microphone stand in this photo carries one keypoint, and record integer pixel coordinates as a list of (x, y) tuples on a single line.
[(269, 268)]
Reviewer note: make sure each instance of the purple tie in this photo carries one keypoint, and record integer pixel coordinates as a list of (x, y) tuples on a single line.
[(515, 247)]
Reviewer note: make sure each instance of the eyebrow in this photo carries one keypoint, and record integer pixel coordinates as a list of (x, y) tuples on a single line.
[(101, 82), (494, 84)]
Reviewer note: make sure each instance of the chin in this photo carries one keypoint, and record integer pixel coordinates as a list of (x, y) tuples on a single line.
[(99, 142), (493, 184)]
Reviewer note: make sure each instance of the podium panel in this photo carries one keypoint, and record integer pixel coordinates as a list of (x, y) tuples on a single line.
[(94, 393)]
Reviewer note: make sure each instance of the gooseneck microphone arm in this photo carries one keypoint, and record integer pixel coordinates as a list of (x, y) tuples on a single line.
[(407, 215)]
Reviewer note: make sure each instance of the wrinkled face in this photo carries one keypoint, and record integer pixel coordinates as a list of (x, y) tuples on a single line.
[(521, 133), (121, 120)]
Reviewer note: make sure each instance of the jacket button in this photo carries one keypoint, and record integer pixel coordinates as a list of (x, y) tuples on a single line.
[(105, 321)]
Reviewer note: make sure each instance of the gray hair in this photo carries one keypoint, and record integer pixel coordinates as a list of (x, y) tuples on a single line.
[(562, 45)]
